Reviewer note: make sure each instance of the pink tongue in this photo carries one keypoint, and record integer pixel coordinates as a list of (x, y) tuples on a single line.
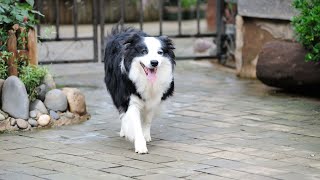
[(151, 75)]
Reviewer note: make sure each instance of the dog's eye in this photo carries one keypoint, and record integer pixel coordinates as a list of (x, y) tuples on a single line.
[(160, 52), (144, 51)]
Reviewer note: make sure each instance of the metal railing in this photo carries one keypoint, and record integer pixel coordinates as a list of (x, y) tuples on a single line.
[(98, 20)]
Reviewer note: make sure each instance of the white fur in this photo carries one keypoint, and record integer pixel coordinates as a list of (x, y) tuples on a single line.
[(136, 122), (122, 67)]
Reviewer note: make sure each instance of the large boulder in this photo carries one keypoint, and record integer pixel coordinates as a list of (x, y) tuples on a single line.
[(15, 99), (281, 64), (1, 85), (76, 100), (56, 100)]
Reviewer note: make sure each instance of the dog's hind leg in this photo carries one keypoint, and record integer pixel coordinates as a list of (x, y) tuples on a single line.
[(131, 125)]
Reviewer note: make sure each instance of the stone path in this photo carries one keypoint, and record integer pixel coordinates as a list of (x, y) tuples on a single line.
[(216, 127)]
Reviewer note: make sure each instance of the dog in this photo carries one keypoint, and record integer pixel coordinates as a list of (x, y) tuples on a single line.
[(139, 77)]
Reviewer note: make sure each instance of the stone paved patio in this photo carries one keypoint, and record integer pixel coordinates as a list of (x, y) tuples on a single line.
[(216, 127)]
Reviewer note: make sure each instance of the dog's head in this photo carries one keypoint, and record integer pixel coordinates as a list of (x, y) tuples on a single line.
[(152, 55)]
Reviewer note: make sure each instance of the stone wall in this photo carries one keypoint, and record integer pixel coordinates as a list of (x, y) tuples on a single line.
[(259, 22)]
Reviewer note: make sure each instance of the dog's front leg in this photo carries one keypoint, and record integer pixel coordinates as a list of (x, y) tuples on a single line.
[(146, 125), (133, 125)]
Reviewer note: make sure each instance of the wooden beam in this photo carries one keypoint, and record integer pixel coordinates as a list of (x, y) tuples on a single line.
[(12, 47), (32, 47)]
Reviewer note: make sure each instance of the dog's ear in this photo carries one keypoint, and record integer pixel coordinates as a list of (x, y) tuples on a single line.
[(168, 42), (131, 39)]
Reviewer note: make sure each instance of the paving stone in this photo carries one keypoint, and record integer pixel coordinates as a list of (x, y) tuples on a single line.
[(157, 177), (19, 176), (175, 172), (230, 155), (186, 165), (127, 171), (205, 176), (140, 164), (262, 170), (224, 172)]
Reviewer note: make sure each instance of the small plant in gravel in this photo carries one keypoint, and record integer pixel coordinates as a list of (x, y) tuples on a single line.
[(32, 76), (307, 27)]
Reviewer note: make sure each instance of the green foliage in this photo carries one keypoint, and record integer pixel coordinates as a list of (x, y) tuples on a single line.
[(307, 27), (3, 64), (17, 12), (188, 3), (32, 76)]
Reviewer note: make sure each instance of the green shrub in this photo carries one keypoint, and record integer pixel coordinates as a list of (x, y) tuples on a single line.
[(32, 76), (188, 3), (3, 64), (307, 27)]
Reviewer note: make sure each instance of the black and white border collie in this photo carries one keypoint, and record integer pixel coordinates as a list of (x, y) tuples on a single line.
[(139, 76)]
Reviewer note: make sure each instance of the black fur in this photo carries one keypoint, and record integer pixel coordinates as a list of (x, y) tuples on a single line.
[(126, 43)]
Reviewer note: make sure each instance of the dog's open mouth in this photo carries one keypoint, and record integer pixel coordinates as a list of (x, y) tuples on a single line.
[(150, 72)]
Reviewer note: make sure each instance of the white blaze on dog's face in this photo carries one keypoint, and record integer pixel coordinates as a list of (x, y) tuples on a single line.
[(152, 58), (151, 61)]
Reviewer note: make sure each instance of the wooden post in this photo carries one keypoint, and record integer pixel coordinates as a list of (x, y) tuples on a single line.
[(12, 47), (32, 47), (211, 15), (23, 39)]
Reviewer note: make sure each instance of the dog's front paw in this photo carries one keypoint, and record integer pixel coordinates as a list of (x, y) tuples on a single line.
[(121, 133), (140, 146), (147, 137)]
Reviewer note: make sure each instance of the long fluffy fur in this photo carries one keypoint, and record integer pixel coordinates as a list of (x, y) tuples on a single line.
[(128, 57)]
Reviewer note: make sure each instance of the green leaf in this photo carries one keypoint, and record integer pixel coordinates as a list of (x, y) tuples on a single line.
[(37, 12), (31, 2)]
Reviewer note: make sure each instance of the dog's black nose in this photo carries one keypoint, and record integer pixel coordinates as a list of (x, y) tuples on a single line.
[(154, 63)]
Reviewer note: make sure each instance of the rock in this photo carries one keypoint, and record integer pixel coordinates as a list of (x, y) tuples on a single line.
[(38, 105), (13, 121), (38, 115), (15, 98), (42, 91), (29, 127), (281, 64), (56, 100), (33, 122), (1, 85), (2, 117), (22, 124), (4, 124), (54, 115), (4, 114), (44, 120), (49, 82), (76, 100), (14, 128), (69, 115), (33, 114)]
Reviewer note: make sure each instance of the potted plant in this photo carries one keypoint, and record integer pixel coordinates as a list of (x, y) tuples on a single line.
[(295, 65), (18, 40)]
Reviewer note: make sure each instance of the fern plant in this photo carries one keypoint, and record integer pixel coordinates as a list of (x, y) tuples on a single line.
[(307, 27)]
